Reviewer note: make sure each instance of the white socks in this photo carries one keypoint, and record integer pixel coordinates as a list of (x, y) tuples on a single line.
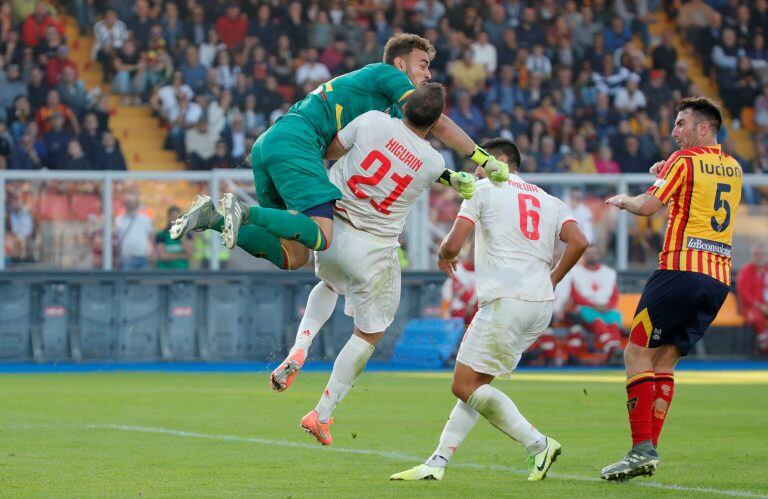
[(348, 365), (320, 305), (460, 423), (502, 413)]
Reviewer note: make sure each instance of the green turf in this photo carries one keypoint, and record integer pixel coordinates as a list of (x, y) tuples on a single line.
[(53, 441)]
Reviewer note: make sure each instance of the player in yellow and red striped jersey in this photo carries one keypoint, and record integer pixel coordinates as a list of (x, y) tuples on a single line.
[(701, 186)]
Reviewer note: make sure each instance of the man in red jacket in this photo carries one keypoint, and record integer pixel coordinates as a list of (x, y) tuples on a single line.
[(232, 26), (33, 30), (752, 290)]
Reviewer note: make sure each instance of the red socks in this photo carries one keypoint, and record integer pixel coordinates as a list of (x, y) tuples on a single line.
[(641, 391), (665, 390)]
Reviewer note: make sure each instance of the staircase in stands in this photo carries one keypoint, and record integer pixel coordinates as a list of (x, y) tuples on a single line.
[(141, 135), (744, 143)]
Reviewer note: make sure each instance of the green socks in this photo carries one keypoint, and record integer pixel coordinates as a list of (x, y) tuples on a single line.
[(289, 225), (261, 243), (257, 241)]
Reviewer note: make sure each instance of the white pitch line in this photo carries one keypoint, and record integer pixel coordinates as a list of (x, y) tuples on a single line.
[(399, 456)]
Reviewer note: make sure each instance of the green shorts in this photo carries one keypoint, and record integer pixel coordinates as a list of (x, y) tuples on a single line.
[(288, 170)]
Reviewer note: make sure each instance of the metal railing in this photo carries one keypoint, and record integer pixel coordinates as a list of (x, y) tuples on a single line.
[(416, 227)]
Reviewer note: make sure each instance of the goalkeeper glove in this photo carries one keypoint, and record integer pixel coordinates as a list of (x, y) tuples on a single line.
[(461, 182), (495, 170)]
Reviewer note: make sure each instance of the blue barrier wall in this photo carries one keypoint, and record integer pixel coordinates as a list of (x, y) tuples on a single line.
[(177, 316)]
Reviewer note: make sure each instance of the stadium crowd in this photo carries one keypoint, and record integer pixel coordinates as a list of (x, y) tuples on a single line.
[(580, 86)]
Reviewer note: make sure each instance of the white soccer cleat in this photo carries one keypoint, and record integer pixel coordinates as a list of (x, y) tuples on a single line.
[(420, 472), (540, 463), (233, 212), (200, 216)]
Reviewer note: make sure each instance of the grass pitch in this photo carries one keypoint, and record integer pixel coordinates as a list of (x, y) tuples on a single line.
[(161, 434)]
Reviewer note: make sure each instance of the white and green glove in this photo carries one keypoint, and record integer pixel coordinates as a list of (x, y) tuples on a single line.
[(461, 182), (496, 171)]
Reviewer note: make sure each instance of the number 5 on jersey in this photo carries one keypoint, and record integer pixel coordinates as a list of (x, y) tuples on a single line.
[(401, 181)]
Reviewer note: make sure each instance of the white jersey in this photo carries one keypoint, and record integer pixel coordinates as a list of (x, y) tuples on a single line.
[(386, 168), (516, 228)]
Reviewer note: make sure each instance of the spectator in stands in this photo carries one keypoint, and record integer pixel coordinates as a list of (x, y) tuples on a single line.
[(581, 213), (22, 229), (11, 86), (36, 88), (582, 161), (173, 27), (110, 157), (193, 72), (726, 56), (504, 91), (538, 63), (312, 70), (24, 155), (485, 53), (549, 160), (264, 28), (630, 98), (617, 35), (173, 253), (110, 34), (134, 233), (220, 158), (33, 31), (85, 15), (54, 106), (140, 23), (761, 111), (752, 289), (747, 88), (234, 135), (72, 91), (468, 77), (226, 72), (56, 139), (233, 26), (632, 159), (76, 159), (333, 55), (595, 296), (664, 55), (54, 70), (90, 137), (130, 77), (467, 116), (371, 51), (200, 145)]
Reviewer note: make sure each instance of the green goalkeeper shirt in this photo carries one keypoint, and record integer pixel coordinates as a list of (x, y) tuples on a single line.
[(375, 87)]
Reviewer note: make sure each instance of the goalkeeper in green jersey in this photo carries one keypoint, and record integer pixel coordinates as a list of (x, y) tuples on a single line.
[(295, 211)]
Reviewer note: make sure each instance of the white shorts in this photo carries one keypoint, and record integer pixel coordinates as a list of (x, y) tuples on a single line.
[(366, 270), (500, 332)]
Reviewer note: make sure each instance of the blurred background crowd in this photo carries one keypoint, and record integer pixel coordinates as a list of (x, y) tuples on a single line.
[(585, 86)]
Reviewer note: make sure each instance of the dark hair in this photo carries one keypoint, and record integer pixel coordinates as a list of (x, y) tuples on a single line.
[(425, 105), (707, 109), (505, 147), (403, 44)]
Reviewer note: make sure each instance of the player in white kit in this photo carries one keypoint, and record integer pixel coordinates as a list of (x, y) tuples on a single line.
[(388, 165), (517, 226)]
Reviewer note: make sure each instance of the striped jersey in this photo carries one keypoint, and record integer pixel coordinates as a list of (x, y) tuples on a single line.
[(702, 188)]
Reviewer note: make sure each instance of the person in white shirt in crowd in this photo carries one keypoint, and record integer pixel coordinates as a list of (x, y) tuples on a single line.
[(388, 164), (517, 226), (110, 34), (134, 234), (312, 69), (630, 98), (483, 52), (595, 296)]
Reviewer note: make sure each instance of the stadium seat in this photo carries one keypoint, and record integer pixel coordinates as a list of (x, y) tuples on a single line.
[(428, 343)]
